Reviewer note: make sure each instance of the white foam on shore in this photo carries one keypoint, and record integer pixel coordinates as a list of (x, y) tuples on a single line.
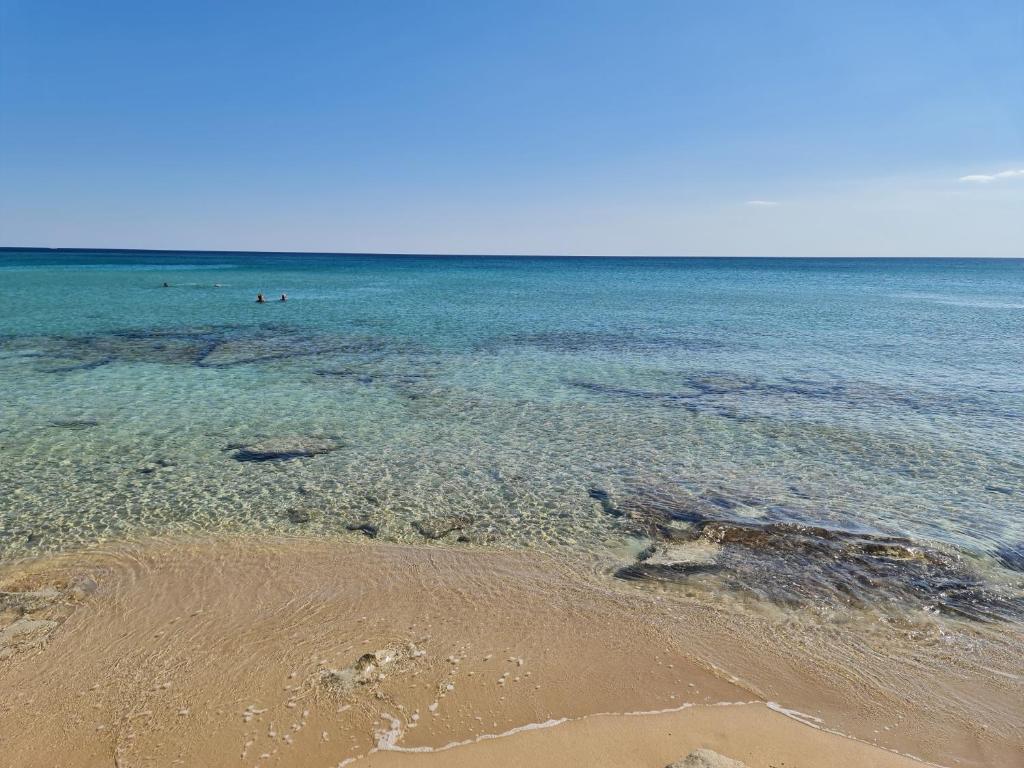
[(391, 745), (482, 737), (795, 714), (551, 724), (818, 724)]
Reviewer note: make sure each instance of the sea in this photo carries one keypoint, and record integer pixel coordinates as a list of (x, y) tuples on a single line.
[(800, 434)]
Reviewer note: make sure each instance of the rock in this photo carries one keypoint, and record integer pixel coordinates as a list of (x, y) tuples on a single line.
[(24, 634), (299, 515), (24, 602), (705, 758), (440, 526), (796, 562), (692, 553), (1011, 556), (667, 561), (75, 424), (367, 669), (282, 449), (602, 497), (149, 469), (364, 527), (642, 570)]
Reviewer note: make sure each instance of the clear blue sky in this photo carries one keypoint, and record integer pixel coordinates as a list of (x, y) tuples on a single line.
[(719, 128)]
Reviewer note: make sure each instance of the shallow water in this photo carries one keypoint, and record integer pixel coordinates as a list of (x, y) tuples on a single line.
[(822, 409)]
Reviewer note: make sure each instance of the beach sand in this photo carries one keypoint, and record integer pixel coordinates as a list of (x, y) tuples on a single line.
[(265, 651)]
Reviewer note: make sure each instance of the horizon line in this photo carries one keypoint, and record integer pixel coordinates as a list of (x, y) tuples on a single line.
[(77, 249)]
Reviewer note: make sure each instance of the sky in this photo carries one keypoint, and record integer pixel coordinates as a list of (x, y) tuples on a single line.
[(783, 128)]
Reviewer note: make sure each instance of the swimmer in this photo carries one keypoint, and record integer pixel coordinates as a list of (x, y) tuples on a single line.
[(260, 299), (167, 285), (284, 297)]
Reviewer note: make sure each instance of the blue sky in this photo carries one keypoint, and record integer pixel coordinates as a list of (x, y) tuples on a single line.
[(662, 128)]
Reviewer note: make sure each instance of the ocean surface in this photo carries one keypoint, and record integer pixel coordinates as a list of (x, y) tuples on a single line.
[(796, 432)]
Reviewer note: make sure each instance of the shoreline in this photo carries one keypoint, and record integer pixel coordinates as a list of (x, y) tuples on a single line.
[(315, 652), (644, 739)]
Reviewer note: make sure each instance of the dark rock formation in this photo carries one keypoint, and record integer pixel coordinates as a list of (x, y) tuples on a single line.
[(75, 424), (441, 525), (282, 449), (1011, 556), (798, 563), (364, 527), (603, 498)]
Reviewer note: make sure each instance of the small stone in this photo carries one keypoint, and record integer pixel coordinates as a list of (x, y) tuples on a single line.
[(299, 515), (364, 527)]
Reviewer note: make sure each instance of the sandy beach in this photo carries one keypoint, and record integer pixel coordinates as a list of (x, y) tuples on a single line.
[(293, 652)]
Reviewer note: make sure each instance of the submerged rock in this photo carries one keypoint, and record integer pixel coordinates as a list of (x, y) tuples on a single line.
[(74, 424), (369, 669), (798, 563), (24, 634), (603, 498), (441, 525), (643, 570), (25, 602), (282, 449), (220, 346), (365, 670), (28, 616), (365, 527), (1011, 556), (705, 758), (696, 552), (666, 561), (300, 515), (152, 467)]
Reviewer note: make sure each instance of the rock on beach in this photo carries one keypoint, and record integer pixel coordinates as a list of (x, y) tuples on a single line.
[(705, 758)]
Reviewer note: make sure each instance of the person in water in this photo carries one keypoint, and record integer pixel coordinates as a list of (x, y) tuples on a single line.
[(260, 299), (284, 297), (167, 285)]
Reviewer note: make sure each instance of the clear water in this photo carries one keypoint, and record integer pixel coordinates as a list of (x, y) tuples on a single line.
[(533, 399)]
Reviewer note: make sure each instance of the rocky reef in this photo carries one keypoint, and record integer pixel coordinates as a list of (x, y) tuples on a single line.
[(783, 556), (221, 346)]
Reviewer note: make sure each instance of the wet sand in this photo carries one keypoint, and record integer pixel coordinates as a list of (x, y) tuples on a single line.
[(751, 733), (272, 651)]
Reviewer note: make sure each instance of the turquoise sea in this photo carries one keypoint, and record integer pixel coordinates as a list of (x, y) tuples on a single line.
[(795, 431)]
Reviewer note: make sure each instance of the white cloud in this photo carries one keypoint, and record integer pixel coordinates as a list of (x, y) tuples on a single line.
[(985, 178), (762, 203)]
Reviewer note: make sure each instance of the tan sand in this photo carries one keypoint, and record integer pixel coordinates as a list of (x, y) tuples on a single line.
[(242, 651)]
